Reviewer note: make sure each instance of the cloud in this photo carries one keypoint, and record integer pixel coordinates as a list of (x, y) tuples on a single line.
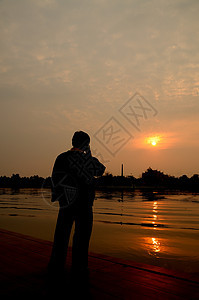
[(76, 62), (146, 43)]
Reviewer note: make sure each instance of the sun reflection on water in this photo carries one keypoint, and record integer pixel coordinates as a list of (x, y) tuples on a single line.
[(155, 212), (153, 244), (156, 245), (155, 207)]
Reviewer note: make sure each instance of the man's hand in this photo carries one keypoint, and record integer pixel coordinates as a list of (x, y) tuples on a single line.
[(87, 150)]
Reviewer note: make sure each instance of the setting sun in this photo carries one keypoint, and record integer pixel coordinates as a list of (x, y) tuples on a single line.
[(153, 140)]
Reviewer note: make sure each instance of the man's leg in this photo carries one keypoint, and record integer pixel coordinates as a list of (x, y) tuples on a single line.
[(61, 238), (81, 239)]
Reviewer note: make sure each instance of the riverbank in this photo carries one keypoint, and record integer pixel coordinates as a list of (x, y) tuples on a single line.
[(23, 273)]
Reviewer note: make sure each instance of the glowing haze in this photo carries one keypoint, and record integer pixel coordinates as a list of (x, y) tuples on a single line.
[(71, 65)]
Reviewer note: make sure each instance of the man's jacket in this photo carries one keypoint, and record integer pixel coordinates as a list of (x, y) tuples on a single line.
[(73, 178)]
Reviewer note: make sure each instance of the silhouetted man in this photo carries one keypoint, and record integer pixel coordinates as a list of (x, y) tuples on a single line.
[(73, 186)]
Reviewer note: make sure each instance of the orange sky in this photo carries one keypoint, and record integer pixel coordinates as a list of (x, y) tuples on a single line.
[(71, 65)]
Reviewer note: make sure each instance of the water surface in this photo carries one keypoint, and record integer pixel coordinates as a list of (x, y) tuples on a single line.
[(153, 228)]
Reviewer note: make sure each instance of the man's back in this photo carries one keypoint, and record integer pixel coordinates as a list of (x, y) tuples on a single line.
[(73, 177)]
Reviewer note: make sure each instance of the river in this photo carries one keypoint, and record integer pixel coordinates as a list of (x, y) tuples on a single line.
[(160, 229)]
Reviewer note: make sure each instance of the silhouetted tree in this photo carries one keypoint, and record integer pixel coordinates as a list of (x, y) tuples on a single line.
[(15, 181), (153, 177)]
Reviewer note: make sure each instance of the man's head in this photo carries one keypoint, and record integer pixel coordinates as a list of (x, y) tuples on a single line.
[(80, 140)]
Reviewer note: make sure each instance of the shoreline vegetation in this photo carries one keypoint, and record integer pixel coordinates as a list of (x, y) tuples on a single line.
[(149, 180)]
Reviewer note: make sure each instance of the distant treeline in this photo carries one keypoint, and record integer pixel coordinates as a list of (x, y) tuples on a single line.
[(152, 179), (149, 179)]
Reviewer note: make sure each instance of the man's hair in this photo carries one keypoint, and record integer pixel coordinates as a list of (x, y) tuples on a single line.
[(80, 139)]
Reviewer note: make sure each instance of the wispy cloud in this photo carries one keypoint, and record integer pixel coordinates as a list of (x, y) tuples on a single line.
[(77, 62)]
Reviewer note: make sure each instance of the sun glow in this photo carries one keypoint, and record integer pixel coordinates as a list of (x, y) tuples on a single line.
[(153, 141)]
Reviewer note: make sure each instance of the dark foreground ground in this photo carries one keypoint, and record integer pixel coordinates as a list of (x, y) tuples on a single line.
[(23, 261)]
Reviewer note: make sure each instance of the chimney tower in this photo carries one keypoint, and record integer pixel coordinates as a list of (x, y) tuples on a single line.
[(122, 171)]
